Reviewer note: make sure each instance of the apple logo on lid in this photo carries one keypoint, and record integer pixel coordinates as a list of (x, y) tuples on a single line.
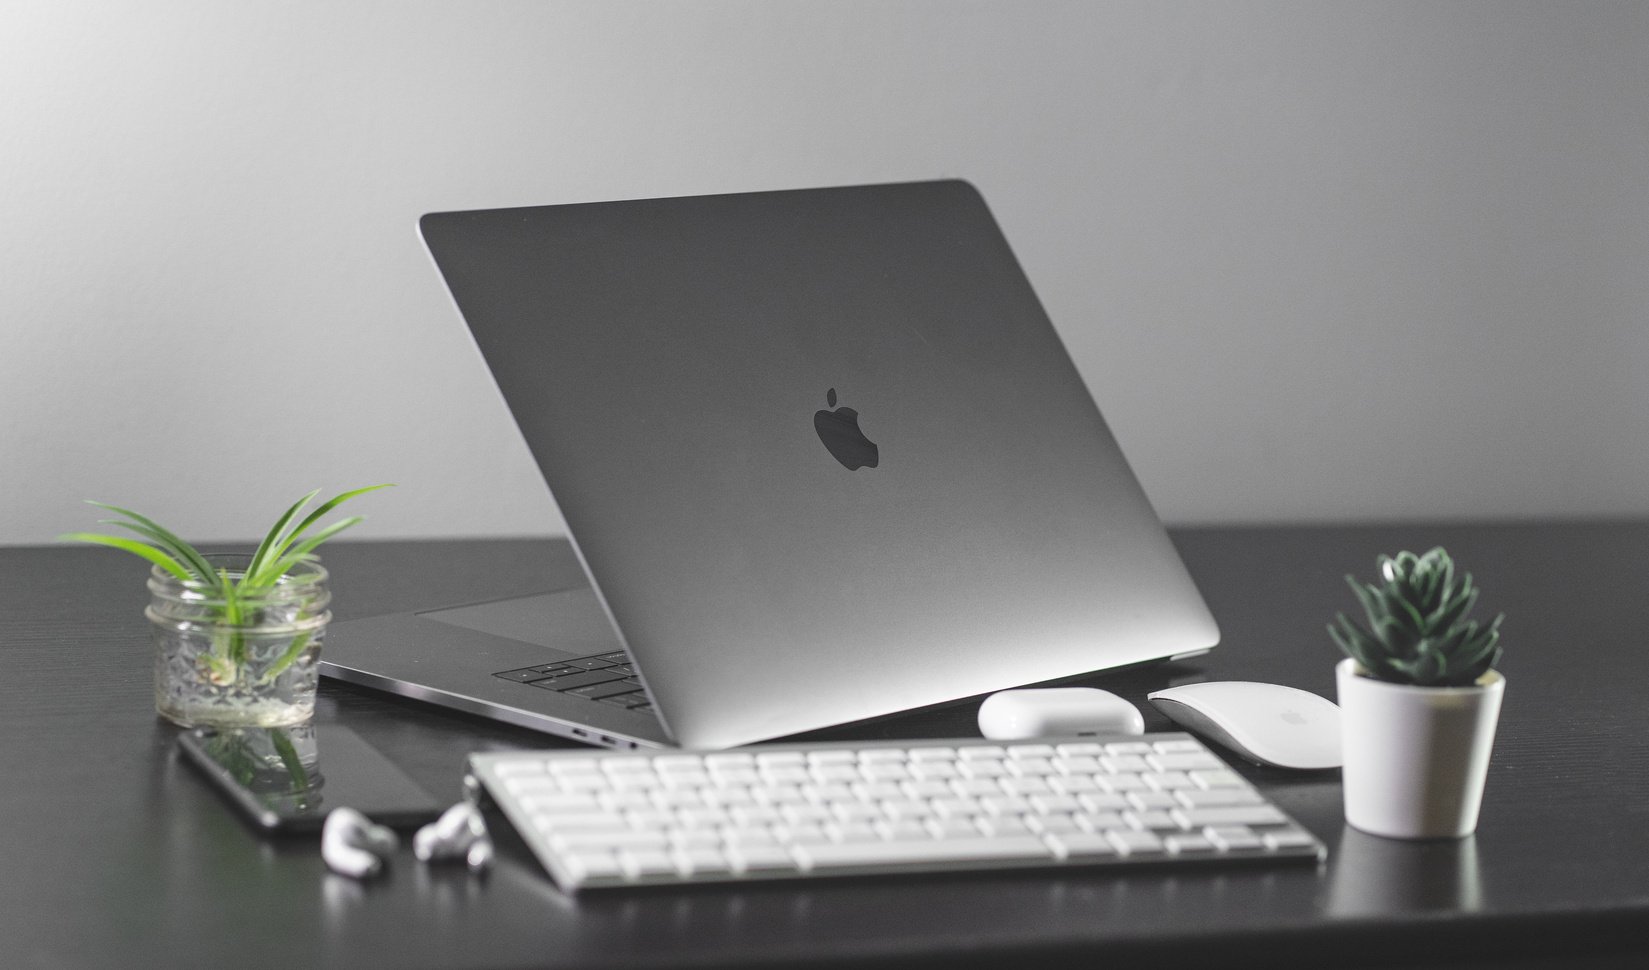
[(839, 430)]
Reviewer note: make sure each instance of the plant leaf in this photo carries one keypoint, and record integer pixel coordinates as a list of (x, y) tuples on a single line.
[(1453, 611), (1401, 610), (286, 659), (315, 516), (1369, 596), (1482, 651), (183, 551), (302, 551), (289, 759), (155, 555), (273, 535)]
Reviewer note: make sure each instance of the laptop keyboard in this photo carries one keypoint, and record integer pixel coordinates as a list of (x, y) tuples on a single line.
[(605, 677)]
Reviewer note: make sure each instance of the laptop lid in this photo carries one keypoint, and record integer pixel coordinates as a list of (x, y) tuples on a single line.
[(821, 452)]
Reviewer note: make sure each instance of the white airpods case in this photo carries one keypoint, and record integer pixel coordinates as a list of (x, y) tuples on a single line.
[(1057, 712)]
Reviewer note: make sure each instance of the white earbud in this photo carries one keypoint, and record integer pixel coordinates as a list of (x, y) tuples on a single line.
[(353, 846), (458, 834)]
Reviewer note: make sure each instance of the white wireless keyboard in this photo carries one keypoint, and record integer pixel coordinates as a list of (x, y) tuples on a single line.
[(602, 819)]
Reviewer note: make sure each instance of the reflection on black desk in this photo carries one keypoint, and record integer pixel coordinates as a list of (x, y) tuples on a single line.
[(117, 855)]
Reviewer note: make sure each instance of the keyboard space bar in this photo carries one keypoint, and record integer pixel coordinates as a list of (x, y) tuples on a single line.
[(854, 855)]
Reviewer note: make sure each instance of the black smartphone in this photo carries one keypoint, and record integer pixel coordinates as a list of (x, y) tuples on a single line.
[(288, 779)]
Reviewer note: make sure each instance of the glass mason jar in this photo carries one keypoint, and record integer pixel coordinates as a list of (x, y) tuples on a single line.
[(249, 663)]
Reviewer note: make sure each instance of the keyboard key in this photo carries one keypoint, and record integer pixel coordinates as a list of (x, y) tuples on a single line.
[(700, 860), (616, 839), (592, 864), (596, 692), (934, 769), (1185, 744), (1184, 761), (524, 766), (1081, 845), (1146, 800), (1187, 844), (1025, 786), (523, 676), (956, 827), (590, 663), (832, 757), (932, 754), (744, 857), (1073, 785), (1048, 804), (1128, 747), (1196, 798), (1193, 818), (1004, 825), (768, 759), (1131, 843), (1170, 781), (885, 771), (578, 802), (880, 755), (852, 855), (1019, 751), (1085, 749), (639, 863), (531, 784), (581, 679), (1053, 823), (1232, 837), (1287, 839), (1157, 820), (582, 820)]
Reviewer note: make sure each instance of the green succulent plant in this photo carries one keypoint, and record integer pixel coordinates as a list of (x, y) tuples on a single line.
[(1417, 628)]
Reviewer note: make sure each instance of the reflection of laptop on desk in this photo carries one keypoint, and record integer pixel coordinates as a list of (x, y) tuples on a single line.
[(701, 381)]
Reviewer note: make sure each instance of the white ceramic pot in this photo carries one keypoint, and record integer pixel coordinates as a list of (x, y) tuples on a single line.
[(1415, 757)]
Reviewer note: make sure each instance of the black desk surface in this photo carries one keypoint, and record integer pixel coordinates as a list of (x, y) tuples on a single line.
[(116, 854)]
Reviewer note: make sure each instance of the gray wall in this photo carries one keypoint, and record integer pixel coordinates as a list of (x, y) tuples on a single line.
[(1317, 260)]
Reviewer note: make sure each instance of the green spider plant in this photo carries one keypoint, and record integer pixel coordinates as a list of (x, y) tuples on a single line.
[(235, 594)]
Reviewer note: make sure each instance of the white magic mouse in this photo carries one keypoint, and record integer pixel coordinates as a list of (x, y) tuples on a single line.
[(1011, 715), (1267, 723)]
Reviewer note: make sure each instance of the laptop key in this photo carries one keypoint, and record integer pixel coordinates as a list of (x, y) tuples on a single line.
[(625, 701), (580, 679), (522, 676), (589, 663), (596, 692)]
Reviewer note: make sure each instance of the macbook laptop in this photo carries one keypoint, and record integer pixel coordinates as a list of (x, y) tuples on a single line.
[(821, 455)]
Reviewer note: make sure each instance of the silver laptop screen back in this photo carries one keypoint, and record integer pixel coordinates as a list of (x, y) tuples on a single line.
[(688, 374)]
